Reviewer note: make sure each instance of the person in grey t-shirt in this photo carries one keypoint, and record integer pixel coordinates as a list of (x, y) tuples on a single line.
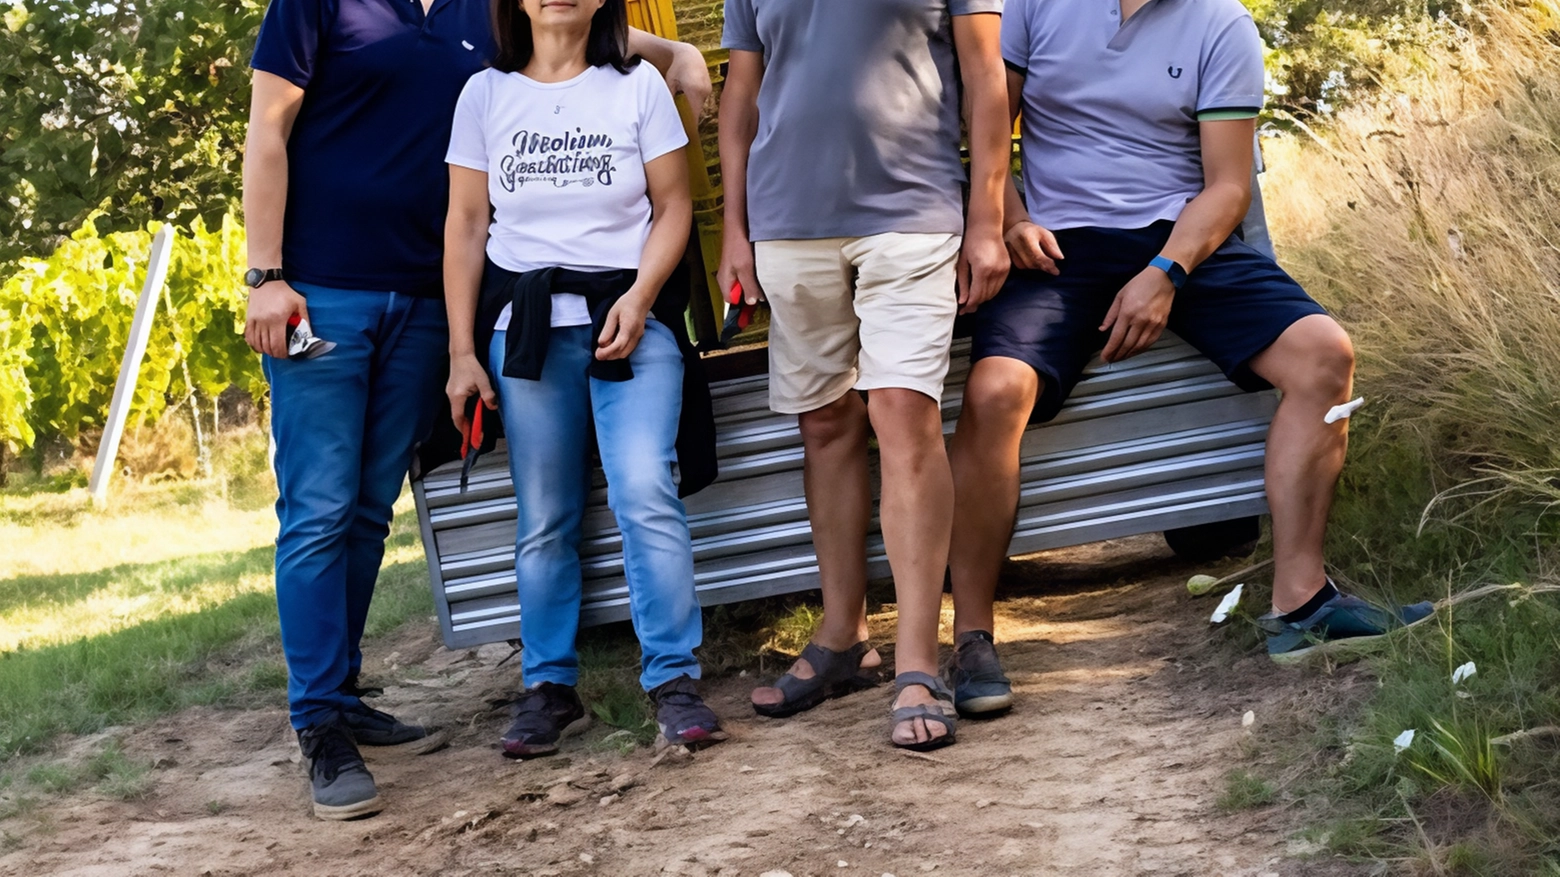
[(1138, 121), (839, 143)]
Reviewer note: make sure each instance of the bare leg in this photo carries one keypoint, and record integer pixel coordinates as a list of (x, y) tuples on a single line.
[(917, 514), (839, 505), (983, 455), (1312, 363)]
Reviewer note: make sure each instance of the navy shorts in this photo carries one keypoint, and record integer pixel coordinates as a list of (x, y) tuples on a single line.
[(1235, 304)]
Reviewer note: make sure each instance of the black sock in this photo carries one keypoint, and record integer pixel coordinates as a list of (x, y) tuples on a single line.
[(1327, 592)]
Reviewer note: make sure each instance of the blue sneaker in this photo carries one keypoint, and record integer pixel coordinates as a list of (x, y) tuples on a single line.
[(1344, 629), (980, 689)]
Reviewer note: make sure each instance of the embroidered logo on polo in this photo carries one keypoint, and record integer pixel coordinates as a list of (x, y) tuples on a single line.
[(1174, 71), (566, 159)]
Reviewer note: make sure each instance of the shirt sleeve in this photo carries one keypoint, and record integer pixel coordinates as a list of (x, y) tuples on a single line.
[(289, 40), (660, 126), (974, 7), (1015, 36), (1232, 79), (741, 28), (468, 134)]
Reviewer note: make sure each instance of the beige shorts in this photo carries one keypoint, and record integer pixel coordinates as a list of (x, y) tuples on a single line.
[(863, 313)]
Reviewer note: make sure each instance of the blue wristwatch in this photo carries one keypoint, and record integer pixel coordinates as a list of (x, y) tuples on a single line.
[(1170, 267)]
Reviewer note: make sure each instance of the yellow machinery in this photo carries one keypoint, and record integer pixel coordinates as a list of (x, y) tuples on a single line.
[(655, 16)]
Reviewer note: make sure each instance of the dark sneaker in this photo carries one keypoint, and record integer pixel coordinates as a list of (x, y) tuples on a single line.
[(682, 716), (1343, 629), (343, 787), (370, 727), (980, 690), (542, 716)]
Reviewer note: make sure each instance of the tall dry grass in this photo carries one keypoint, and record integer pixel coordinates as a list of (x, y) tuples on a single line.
[(1428, 219)]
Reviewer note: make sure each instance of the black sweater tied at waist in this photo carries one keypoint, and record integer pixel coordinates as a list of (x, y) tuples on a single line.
[(529, 293), (530, 332)]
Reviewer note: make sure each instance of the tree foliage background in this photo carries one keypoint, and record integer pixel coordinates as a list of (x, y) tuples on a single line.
[(131, 107)]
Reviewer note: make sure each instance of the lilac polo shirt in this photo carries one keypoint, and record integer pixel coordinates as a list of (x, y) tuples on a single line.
[(1111, 110)]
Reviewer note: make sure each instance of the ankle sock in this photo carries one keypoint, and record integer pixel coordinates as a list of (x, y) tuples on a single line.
[(1328, 591)]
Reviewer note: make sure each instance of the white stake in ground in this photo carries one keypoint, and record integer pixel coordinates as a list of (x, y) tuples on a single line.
[(130, 368)]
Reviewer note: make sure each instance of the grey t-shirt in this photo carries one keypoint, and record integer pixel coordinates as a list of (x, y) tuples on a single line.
[(1111, 111), (858, 116)]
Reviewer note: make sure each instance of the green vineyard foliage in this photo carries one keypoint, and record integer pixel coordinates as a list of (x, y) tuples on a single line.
[(64, 322)]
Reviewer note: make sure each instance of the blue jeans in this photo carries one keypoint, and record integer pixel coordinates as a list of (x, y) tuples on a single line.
[(548, 425), (344, 427)]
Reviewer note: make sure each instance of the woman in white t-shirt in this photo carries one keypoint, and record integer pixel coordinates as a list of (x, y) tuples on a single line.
[(578, 153)]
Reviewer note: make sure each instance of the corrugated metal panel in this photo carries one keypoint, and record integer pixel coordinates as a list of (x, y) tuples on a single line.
[(1157, 442)]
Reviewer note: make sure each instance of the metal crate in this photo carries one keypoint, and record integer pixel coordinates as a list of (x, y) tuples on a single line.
[(1160, 441)]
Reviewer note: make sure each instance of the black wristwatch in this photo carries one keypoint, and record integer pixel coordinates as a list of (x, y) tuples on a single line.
[(1170, 267), (257, 277)]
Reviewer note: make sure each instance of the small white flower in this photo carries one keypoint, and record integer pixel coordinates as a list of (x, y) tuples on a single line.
[(1342, 412), (1228, 604), (1403, 741), (1463, 672)]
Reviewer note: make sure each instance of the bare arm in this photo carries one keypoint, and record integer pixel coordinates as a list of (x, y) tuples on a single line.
[(984, 261), (1031, 246), (273, 107), (683, 66), (1216, 212), (465, 243), (738, 127), (1138, 315), (671, 208)]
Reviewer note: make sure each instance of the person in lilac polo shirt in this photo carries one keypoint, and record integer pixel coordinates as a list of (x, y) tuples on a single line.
[(1138, 121), (345, 192)]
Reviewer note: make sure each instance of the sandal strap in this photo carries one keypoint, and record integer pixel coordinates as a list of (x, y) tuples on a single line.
[(926, 680), (926, 712), (829, 668)]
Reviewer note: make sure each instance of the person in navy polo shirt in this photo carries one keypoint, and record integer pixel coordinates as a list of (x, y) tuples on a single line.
[(345, 192), (1138, 121)]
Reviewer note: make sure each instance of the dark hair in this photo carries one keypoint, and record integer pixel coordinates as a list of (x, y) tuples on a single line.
[(607, 44)]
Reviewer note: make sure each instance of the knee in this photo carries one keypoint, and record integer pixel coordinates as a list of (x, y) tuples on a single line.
[(839, 421), (906, 422), (1331, 375), (646, 492), (999, 397), (1322, 368)]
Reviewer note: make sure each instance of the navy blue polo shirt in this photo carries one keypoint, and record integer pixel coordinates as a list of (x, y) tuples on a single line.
[(367, 185)]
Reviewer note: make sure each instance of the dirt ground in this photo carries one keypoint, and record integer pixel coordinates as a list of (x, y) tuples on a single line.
[(1130, 716)]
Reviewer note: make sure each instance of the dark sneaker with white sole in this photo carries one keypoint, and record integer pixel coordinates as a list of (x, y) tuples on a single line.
[(371, 727), (682, 716), (1345, 628), (980, 689), (542, 716), (343, 788)]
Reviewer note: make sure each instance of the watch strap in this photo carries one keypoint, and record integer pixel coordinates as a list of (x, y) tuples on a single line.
[(257, 277), (1172, 268)]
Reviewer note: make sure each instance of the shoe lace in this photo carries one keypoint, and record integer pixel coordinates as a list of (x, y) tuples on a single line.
[(329, 749)]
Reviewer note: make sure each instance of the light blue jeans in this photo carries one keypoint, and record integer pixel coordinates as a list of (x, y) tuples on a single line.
[(547, 424), (344, 426)]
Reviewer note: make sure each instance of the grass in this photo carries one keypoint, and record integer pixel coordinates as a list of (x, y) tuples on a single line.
[(98, 642), (1428, 221), (1244, 790)]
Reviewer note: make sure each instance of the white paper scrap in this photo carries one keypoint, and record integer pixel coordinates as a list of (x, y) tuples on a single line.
[(1228, 604), (1403, 740), (1463, 672), (1342, 412)]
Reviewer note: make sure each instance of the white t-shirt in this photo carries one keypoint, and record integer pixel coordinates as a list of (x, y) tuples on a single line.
[(566, 168)]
